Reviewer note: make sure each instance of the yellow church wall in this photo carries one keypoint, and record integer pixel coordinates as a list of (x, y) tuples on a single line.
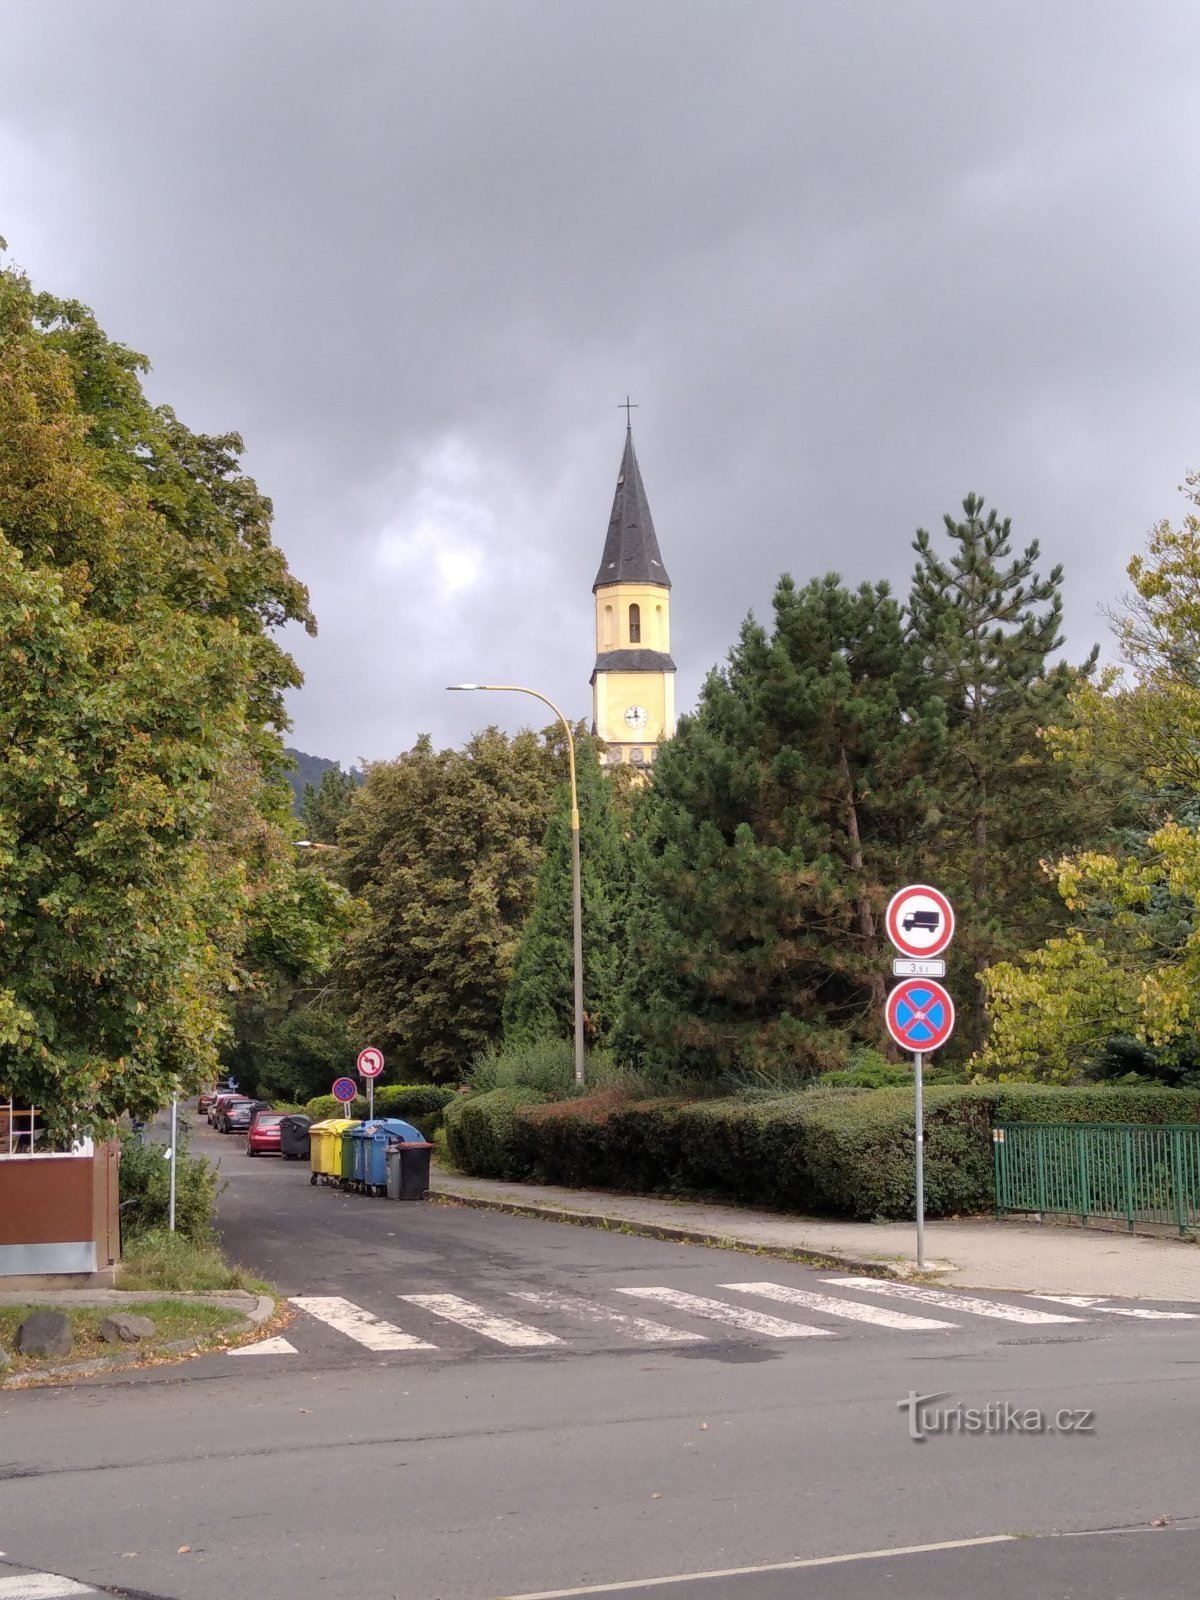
[(612, 617), (615, 692)]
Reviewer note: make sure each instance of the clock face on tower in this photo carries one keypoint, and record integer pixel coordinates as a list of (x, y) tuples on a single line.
[(637, 716)]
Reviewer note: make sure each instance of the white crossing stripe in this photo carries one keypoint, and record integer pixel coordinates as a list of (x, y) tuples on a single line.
[(468, 1315), (578, 1305), (855, 1310), (357, 1324), (265, 1347), (1087, 1302), (40, 1586), (951, 1302), (697, 1305)]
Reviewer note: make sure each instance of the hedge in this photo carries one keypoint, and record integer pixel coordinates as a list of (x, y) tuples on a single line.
[(834, 1153), (422, 1104)]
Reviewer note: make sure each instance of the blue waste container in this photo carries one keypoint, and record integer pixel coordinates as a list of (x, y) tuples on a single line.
[(371, 1140)]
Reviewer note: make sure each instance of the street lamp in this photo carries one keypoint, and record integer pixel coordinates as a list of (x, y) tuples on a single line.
[(576, 890)]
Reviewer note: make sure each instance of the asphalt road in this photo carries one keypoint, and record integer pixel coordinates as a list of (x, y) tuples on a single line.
[(462, 1467)]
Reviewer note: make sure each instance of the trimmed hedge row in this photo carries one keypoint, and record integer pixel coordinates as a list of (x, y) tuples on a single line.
[(422, 1104), (832, 1153)]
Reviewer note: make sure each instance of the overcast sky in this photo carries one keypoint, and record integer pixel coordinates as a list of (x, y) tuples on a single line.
[(851, 260)]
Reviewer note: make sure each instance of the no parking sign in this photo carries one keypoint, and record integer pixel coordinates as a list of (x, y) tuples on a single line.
[(919, 1015)]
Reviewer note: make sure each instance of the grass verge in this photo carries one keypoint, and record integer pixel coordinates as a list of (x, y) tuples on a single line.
[(162, 1260), (173, 1320)]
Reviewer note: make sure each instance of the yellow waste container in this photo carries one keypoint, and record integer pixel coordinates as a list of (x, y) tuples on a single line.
[(325, 1148)]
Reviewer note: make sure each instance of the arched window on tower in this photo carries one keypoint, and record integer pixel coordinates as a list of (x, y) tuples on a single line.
[(635, 624), (610, 628), (660, 629)]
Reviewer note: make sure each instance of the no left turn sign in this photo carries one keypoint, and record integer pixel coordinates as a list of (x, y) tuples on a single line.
[(370, 1062)]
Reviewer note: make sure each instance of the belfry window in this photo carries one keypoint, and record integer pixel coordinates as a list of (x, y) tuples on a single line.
[(610, 628), (635, 624)]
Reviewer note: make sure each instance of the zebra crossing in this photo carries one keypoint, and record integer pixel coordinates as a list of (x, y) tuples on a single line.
[(559, 1320), (39, 1586)]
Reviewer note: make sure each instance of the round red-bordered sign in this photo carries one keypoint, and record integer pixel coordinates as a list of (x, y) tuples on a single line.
[(370, 1062), (345, 1089), (919, 920), (920, 1015)]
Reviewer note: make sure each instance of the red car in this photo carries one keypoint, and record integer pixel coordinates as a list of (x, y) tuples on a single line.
[(263, 1137)]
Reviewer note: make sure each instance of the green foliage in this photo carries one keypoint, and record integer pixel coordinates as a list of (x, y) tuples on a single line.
[(1129, 968), (539, 1002), (175, 1263), (142, 817), (324, 808), (823, 1152), (986, 628), (778, 820), (145, 1185), (422, 1104), (300, 1055), (444, 849), (323, 1107), (480, 1128)]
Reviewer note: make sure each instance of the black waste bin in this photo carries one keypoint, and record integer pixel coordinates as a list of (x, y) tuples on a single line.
[(408, 1169), (293, 1137)]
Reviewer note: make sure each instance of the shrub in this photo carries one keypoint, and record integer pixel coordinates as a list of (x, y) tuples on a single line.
[(838, 1152), (325, 1106), (145, 1186), (480, 1131), (422, 1104)]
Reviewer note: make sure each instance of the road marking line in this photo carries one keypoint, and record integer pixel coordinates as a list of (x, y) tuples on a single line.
[(357, 1324), (40, 1586), (760, 1322), (773, 1566), (951, 1302), (468, 1315), (882, 1316), (1087, 1302), (265, 1347), (578, 1305)]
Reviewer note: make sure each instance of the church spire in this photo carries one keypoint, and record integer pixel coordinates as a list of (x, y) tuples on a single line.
[(631, 553)]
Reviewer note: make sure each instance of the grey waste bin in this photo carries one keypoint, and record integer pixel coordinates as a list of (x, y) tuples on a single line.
[(408, 1170)]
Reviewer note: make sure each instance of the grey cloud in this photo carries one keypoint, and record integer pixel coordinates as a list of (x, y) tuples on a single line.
[(852, 261)]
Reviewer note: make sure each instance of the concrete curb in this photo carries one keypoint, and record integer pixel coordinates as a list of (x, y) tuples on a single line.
[(254, 1316), (674, 1234)]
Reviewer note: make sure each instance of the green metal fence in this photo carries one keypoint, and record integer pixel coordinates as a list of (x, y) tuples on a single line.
[(1142, 1172)]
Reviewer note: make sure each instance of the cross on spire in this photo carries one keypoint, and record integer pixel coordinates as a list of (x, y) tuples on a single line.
[(628, 406)]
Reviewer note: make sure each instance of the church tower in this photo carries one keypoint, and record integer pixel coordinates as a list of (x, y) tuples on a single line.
[(633, 682)]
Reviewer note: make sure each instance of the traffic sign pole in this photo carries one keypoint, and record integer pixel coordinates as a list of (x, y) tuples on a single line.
[(919, 1064), (370, 1099)]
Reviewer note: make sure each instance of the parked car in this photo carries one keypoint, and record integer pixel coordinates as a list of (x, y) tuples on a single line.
[(219, 1101), (207, 1096), (238, 1115), (264, 1132), (226, 1106)]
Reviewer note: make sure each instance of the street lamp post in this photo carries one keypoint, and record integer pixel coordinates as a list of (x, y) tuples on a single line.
[(576, 887)]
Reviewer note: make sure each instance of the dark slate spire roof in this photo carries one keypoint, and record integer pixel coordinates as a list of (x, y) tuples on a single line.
[(631, 553)]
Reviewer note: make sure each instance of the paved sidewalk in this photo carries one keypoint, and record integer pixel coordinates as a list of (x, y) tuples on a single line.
[(981, 1254)]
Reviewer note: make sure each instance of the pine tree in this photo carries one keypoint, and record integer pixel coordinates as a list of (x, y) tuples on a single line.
[(986, 628), (780, 817), (324, 808), (540, 998)]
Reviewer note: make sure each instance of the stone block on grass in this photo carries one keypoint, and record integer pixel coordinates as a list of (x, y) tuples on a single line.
[(125, 1328), (45, 1333)]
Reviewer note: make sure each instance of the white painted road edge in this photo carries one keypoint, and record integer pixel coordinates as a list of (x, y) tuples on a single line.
[(40, 1586), (770, 1566)]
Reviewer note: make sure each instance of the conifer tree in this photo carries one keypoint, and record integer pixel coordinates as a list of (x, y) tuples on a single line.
[(540, 998), (986, 628), (779, 819)]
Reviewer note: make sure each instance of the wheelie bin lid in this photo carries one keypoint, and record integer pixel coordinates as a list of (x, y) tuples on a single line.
[(337, 1125), (392, 1129), (296, 1119)]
